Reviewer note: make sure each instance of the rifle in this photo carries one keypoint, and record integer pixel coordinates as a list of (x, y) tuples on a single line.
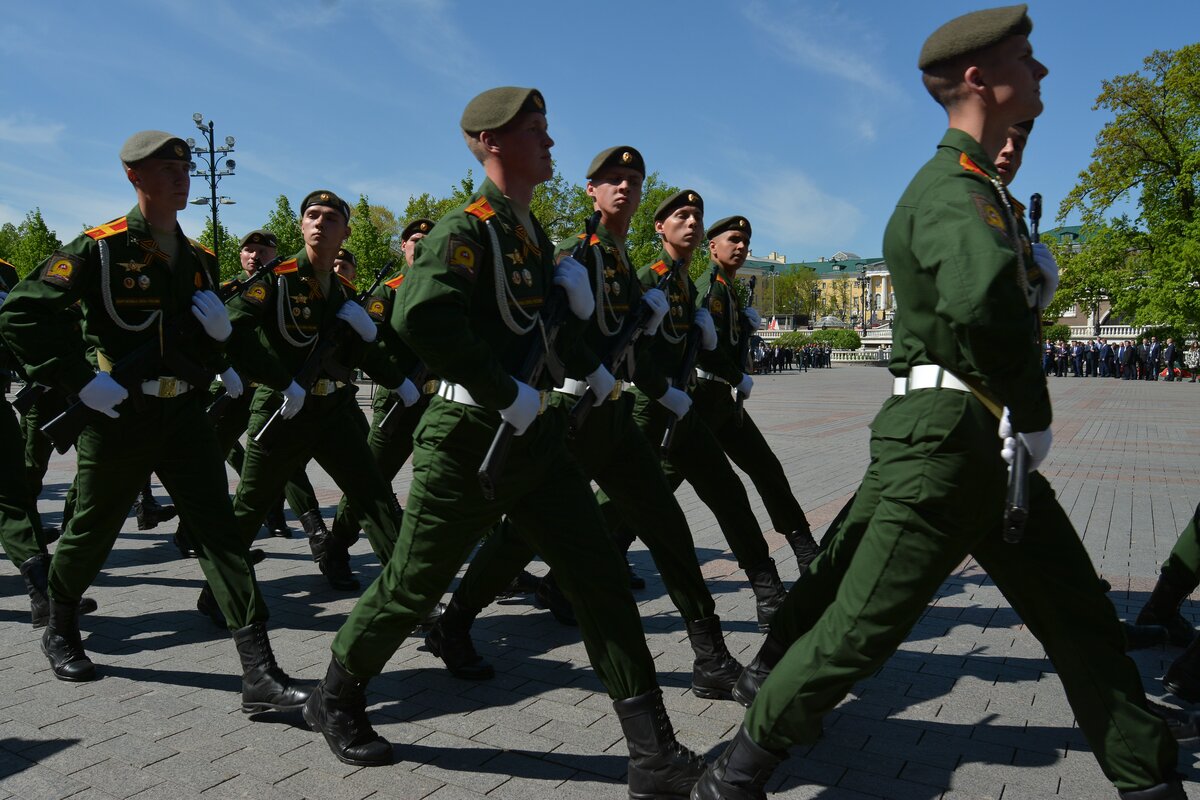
[(1016, 510), (387, 426), (321, 360), (541, 356), (688, 365), (744, 354), (620, 352)]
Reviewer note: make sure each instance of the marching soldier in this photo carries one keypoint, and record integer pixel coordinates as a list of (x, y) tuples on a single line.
[(146, 293)]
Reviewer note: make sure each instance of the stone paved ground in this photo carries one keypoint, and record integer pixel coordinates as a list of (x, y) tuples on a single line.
[(968, 708)]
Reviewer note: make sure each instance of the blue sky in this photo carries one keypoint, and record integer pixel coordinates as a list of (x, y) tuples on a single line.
[(807, 117)]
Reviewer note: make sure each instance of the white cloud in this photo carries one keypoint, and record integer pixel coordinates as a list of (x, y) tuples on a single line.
[(22, 128)]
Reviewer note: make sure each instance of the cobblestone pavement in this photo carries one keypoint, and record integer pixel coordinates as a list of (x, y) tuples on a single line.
[(968, 708)]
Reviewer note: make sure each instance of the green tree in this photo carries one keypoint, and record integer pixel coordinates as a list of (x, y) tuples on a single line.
[(284, 223), (371, 244), (35, 241), (561, 207), (227, 253), (9, 239), (434, 208), (1056, 332), (1149, 152)]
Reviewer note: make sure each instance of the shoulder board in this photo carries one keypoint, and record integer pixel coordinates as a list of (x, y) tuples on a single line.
[(289, 266), (966, 163), (228, 283), (660, 268), (112, 228), (1018, 206), (199, 246), (395, 282), (595, 239), (346, 281), (721, 279), (482, 209)]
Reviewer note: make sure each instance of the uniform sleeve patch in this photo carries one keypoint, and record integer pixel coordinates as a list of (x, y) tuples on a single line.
[(375, 309), (463, 256), (716, 307), (60, 269), (256, 294), (990, 214)]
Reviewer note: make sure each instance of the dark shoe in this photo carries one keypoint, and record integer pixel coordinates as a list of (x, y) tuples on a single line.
[(183, 543), (1163, 791), (804, 546), (769, 593), (276, 522), (1140, 637), (62, 644), (1163, 609), (636, 582), (715, 671), (149, 511), (317, 533), (337, 709), (659, 766), (335, 566), (431, 618), (741, 771), (1182, 724), (450, 640), (206, 604), (525, 583), (1183, 676), (265, 687), (752, 677), (550, 597), (36, 572), (256, 556)]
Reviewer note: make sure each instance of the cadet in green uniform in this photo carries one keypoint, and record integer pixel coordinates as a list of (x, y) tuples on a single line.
[(723, 367), (138, 278), (277, 323), (695, 455), (1179, 577), (965, 354), (470, 309), (610, 448)]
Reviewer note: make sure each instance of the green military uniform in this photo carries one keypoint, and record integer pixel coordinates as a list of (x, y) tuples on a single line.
[(130, 291), (469, 309), (957, 256), (277, 322)]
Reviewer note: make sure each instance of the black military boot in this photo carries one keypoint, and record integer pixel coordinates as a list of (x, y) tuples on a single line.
[(715, 671), (1139, 637), (149, 511), (1163, 791), (741, 771), (183, 542), (525, 583), (36, 572), (551, 598), (752, 677), (1163, 609), (265, 687), (276, 522), (338, 710), (636, 582), (450, 640), (659, 766), (431, 618), (803, 545), (207, 605), (331, 556), (1183, 676), (61, 644), (768, 591)]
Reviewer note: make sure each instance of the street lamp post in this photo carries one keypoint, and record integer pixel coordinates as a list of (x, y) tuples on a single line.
[(863, 280), (212, 158), (816, 295)]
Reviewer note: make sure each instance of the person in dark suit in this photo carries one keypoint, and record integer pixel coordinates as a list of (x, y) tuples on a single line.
[(1106, 359), (1129, 361), (1153, 359), (1170, 354), (1076, 360)]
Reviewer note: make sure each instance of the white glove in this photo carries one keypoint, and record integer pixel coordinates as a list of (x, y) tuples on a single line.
[(408, 393), (746, 385), (524, 409), (293, 400), (232, 383), (601, 382), (1037, 443), (676, 401), (1049, 269), (708, 331), (357, 318), (209, 309), (573, 277), (752, 317), (103, 394), (659, 305)]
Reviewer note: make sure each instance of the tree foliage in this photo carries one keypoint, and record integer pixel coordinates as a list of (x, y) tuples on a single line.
[(371, 240), (837, 338), (227, 254), (285, 224), (32, 242), (1057, 332), (434, 208)]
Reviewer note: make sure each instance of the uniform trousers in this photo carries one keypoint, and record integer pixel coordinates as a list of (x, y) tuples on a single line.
[(20, 525), (1183, 564)]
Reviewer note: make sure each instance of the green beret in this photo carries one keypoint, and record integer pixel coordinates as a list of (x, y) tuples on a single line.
[(265, 238), (972, 32), (419, 225), (154, 144), (324, 197), (620, 156), (734, 223), (497, 107), (345, 255), (684, 197)]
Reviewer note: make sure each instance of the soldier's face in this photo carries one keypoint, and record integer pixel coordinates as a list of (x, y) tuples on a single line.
[(1013, 78), (683, 227), (164, 183), (1008, 160), (410, 246), (255, 255), (524, 147), (345, 268), (323, 227), (616, 191), (729, 249)]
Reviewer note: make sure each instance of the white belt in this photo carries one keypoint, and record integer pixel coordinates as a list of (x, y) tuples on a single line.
[(580, 388), (456, 394), (928, 376), (710, 376), (325, 386), (165, 387)]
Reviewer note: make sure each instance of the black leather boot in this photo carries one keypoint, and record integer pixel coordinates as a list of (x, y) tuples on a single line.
[(36, 572), (1163, 609), (207, 605), (265, 687), (525, 583), (149, 511), (636, 582), (450, 640), (715, 671), (803, 545), (768, 591), (1183, 676), (61, 644), (331, 557), (431, 618), (276, 522), (551, 598), (741, 771), (1163, 791), (183, 542), (1139, 637), (752, 677), (659, 766), (338, 710), (1181, 724)]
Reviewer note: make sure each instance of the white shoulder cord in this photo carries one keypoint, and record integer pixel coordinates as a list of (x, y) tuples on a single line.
[(284, 306), (106, 293), (671, 336), (504, 299)]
